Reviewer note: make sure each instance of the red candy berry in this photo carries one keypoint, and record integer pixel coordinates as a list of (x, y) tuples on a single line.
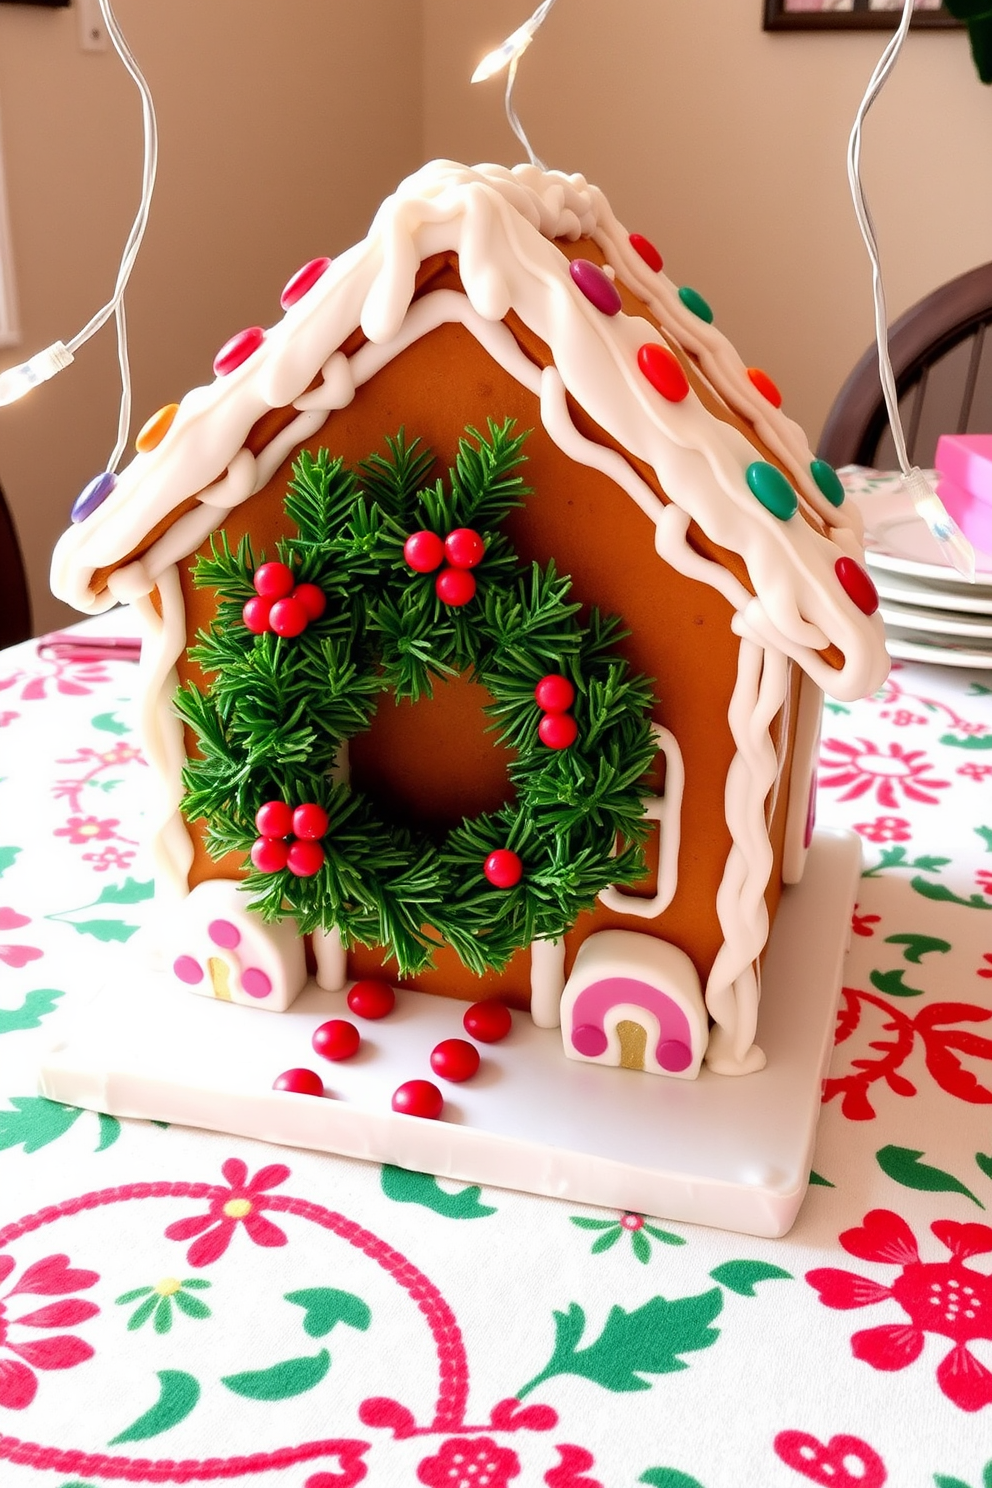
[(313, 600), (455, 1059), (270, 854), (371, 999), (464, 548), (418, 1098), (488, 1021), (557, 730), (857, 585), (336, 1039), (255, 614), (274, 580), (765, 386), (423, 551), (455, 586), (274, 819), (554, 694), (309, 821), (646, 249), (304, 859), (503, 868), (299, 1081), (287, 617)]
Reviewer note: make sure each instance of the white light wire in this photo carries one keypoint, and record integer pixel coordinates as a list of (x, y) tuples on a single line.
[(951, 540), (508, 54)]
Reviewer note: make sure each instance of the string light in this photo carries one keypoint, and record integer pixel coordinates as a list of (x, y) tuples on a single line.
[(507, 55), (929, 507), (17, 381)]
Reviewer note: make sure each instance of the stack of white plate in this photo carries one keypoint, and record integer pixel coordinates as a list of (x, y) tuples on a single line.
[(931, 612)]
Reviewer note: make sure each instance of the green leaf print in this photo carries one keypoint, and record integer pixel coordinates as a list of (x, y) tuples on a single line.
[(110, 724), (984, 1161), (741, 1276), (7, 856), (110, 1130), (970, 741), (405, 1187), (895, 857), (178, 1394), (903, 1165), (942, 893), (918, 946), (131, 891), (818, 1181), (103, 930), (324, 1307), (892, 984), (35, 1121), (648, 1340), (37, 1004), (668, 1477), (292, 1377), (986, 835)]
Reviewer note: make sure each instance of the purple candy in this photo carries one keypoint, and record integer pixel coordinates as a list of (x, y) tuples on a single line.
[(92, 496), (597, 287)]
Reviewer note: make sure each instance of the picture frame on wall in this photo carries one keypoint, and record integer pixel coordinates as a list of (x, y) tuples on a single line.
[(850, 15)]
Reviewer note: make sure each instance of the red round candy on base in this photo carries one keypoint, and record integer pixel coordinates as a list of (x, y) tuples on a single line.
[(418, 1098), (270, 854), (304, 859), (336, 1039), (288, 617), (423, 551), (455, 586), (274, 580), (488, 1021), (299, 1081), (371, 999), (309, 821), (455, 1059), (503, 868), (274, 819)]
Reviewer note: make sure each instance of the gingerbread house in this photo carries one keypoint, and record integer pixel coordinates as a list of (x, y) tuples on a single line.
[(667, 485)]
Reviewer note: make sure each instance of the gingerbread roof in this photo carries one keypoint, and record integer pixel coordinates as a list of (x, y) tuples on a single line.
[(650, 384)]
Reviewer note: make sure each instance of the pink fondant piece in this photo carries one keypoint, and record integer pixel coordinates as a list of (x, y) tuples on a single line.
[(255, 982), (224, 934), (188, 970), (674, 1055), (596, 1001)]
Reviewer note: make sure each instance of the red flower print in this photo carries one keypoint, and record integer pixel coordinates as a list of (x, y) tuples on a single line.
[(947, 1298), (827, 1462), (863, 767), (51, 1277), (862, 924), (109, 857), (975, 772), (240, 1203), (469, 1462), (983, 878), (986, 971), (885, 829), (902, 717), (87, 829)]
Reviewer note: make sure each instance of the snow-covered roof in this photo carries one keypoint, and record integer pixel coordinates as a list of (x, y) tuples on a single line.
[(501, 224)]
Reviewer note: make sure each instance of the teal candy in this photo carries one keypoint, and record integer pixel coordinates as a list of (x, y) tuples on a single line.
[(772, 489), (828, 481), (693, 300)]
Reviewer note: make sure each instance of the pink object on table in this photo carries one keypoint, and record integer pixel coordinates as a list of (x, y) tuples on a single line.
[(964, 462)]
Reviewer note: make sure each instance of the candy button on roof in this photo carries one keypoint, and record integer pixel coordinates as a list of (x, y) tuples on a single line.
[(152, 433), (303, 280), (646, 250), (857, 585), (828, 481), (92, 496), (693, 300), (238, 350), (772, 489), (663, 371), (597, 287), (766, 387)]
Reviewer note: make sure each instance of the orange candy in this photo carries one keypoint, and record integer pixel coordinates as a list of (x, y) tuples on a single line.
[(156, 428), (765, 386)]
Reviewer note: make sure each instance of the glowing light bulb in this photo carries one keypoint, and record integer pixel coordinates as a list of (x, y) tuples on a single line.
[(508, 51), (17, 381), (940, 524)]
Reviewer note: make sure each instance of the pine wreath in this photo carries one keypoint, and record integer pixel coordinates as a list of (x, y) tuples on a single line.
[(390, 586)]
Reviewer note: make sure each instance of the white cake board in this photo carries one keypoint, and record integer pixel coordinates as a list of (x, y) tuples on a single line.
[(730, 1152)]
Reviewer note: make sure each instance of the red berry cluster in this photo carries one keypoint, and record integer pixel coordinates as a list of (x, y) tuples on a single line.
[(280, 604), (289, 838), (555, 695), (462, 550)]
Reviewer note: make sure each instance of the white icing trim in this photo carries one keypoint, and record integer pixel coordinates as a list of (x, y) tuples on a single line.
[(805, 755), (666, 810), (547, 981), (331, 958)]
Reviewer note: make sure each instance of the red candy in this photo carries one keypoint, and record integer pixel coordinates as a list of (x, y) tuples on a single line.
[(455, 1059), (663, 371), (423, 551), (557, 730), (646, 249), (299, 1081), (554, 694), (287, 617), (371, 999), (765, 386), (313, 600), (488, 1021), (464, 548), (238, 350), (308, 821), (304, 859), (503, 868), (255, 614), (857, 585), (274, 819), (455, 586), (274, 580), (303, 280), (418, 1098), (336, 1039), (270, 854)]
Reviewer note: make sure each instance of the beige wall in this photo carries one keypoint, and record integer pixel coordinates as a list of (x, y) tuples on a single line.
[(285, 121)]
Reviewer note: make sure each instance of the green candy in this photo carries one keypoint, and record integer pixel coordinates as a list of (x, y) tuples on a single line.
[(772, 489), (693, 300), (828, 481)]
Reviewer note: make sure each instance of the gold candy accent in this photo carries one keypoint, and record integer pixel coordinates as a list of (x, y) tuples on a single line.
[(633, 1044), (219, 978)]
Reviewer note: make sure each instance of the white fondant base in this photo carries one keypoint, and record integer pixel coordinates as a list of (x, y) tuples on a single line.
[(734, 1153)]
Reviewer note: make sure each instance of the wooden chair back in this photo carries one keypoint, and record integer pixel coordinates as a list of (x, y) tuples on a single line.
[(941, 351), (15, 607)]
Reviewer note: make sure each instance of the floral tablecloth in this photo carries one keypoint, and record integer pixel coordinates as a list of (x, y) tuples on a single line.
[(178, 1306)]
